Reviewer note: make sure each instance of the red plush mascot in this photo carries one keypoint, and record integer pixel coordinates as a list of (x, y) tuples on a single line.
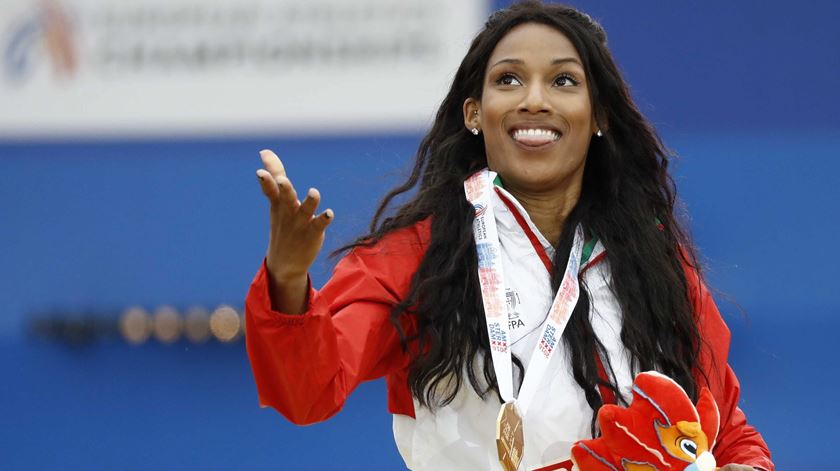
[(660, 430)]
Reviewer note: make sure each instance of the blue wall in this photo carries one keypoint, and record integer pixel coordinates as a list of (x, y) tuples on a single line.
[(746, 93)]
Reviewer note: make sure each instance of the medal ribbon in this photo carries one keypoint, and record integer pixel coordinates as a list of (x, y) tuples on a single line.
[(607, 394), (479, 192)]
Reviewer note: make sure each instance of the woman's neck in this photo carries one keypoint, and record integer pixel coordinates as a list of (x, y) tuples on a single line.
[(548, 210)]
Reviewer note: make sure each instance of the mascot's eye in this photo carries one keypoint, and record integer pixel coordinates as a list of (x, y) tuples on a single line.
[(689, 447)]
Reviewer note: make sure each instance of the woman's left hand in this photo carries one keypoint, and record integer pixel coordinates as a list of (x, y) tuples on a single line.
[(736, 467)]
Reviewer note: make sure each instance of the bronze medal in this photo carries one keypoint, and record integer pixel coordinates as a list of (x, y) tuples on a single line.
[(510, 440)]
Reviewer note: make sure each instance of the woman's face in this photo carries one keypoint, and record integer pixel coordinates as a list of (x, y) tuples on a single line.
[(535, 113)]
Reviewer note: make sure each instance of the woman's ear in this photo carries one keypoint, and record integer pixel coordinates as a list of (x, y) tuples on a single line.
[(472, 115), (599, 121)]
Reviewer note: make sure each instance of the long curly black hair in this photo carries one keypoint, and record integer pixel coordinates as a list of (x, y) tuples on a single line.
[(627, 200)]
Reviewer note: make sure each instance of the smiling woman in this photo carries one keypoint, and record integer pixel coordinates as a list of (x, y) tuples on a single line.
[(543, 217), (537, 120)]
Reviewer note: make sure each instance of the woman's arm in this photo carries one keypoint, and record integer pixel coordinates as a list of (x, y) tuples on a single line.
[(306, 365), (737, 442), (309, 350), (296, 235)]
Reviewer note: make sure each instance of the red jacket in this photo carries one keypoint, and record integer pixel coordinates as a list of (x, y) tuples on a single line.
[(306, 365)]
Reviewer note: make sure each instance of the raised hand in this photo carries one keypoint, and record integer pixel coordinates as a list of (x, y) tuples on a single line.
[(295, 238)]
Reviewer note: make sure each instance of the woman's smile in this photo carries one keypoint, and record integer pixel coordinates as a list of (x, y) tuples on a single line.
[(532, 137)]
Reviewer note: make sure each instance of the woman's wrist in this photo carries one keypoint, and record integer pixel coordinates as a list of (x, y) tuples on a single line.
[(288, 292)]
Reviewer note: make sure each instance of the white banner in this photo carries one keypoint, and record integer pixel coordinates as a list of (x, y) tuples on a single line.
[(168, 67)]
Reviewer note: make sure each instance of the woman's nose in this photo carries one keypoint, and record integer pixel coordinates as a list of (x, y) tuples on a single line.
[(535, 100)]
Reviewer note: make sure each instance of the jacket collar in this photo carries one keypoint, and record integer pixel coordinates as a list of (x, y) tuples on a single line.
[(593, 250)]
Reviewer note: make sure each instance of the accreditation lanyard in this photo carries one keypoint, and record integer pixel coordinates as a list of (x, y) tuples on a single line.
[(479, 192)]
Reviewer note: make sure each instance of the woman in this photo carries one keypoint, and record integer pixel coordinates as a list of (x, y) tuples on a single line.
[(539, 101)]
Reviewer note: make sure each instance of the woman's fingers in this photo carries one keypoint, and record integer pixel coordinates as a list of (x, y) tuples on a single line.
[(268, 185), (274, 182), (310, 204), (307, 212), (281, 193), (323, 220), (272, 163), (278, 191), (288, 195)]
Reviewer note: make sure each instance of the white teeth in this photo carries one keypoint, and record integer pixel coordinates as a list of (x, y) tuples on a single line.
[(543, 133)]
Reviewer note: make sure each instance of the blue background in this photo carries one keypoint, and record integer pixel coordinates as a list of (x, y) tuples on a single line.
[(744, 92)]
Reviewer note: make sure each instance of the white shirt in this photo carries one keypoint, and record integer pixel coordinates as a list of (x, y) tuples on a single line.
[(461, 435)]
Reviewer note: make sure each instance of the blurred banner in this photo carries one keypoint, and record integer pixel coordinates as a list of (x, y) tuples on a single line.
[(167, 67)]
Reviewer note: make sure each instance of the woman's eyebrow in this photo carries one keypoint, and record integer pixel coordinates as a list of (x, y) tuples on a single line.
[(508, 61), (565, 60), (561, 60)]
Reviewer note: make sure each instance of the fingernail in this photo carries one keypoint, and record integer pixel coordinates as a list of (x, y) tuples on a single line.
[(328, 213), (259, 177), (310, 193)]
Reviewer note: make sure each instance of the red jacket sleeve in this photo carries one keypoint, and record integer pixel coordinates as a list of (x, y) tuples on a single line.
[(306, 365), (737, 442)]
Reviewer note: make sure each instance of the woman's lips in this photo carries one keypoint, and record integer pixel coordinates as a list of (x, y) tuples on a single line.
[(535, 138)]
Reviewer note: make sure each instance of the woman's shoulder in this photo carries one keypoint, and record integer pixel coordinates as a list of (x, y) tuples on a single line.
[(390, 263), (409, 241), (396, 255)]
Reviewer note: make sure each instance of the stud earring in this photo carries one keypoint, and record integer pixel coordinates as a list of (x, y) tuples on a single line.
[(599, 133), (475, 131)]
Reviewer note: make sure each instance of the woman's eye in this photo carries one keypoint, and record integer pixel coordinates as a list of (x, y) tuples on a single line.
[(565, 81), (689, 447), (508, 79)]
